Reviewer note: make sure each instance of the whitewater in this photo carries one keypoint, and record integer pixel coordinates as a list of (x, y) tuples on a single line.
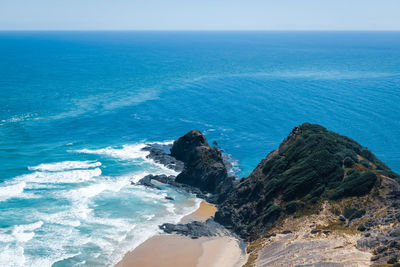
[(88, 218)]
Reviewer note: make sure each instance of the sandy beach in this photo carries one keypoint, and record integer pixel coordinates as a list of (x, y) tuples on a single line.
[(176, 250)]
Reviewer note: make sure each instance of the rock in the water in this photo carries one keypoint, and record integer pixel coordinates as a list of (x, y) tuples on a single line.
[(183, 147), (146, 181), (162, 178), (204, 166), (160, 153)]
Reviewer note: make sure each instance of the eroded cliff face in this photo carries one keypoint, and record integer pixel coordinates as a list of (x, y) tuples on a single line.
[(336, 233), (306, 241)]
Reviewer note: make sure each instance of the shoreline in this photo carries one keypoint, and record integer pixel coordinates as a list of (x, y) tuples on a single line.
[(173, 250)]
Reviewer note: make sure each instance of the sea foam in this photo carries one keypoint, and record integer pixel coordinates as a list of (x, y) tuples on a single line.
[(65, 165), (132, 152), (127, 152), (8, 191), (62, 177), (24, 232), (81, 183)]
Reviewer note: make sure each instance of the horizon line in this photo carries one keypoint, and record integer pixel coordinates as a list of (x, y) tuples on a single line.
[(196, 30)]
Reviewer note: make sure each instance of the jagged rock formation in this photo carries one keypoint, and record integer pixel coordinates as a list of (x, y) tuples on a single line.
[(162, 178), (203, 170), (160, 153), (204, 166)]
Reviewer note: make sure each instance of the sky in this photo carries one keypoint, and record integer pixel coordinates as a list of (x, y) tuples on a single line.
[(199, 15)]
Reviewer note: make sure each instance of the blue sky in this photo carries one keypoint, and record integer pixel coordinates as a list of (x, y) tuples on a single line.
[(199, 15)]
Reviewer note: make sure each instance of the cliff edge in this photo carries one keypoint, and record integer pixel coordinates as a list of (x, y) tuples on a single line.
[(319, 199)]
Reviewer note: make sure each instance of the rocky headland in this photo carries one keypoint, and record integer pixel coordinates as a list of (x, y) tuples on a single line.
[(319, 199)]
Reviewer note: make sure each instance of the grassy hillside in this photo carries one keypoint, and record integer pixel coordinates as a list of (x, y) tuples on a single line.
[(312, 164)]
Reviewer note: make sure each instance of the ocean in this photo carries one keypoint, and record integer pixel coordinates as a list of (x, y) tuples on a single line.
[(77, 107)]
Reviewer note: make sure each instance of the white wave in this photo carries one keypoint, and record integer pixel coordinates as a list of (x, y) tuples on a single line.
[(93, 190), (30, 227), (12, 190), (81, 198), (12, 256), (24, 232), (19, 233), (66, 218), (161, 168), (132, 152), (65, 165), (57, 242), (125, 153), (144, 231), (67, 177), (163, 143), (231, 164)]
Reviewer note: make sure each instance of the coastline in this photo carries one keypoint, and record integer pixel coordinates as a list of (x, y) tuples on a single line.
[(174, 250)]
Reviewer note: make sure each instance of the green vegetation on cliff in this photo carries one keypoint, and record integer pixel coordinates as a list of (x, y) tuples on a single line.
[(311, 164)]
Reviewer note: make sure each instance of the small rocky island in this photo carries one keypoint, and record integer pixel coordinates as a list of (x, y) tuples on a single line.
[(320, 199)]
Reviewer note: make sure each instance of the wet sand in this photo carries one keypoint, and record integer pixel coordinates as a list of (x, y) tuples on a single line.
[(180, 251)]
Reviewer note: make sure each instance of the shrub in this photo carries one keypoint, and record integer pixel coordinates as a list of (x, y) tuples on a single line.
[(367, 154), (348, 162), (355, 185), (293, 206), (272, 214), (352, 213), (365, 164), (392, 260), (273, 210)]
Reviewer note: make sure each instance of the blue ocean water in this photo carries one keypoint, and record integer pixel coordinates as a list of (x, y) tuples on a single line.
[(77, 107)]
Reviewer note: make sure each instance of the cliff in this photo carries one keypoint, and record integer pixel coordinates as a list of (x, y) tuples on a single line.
[(319, 199), (312, 164), (317, 186)]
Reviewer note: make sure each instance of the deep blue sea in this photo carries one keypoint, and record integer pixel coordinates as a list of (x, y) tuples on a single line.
[(77, 107)]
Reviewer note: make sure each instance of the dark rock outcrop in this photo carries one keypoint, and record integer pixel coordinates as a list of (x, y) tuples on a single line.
[(162, 178), (146, 181), (160, 153), (204, 167), (193, 229)]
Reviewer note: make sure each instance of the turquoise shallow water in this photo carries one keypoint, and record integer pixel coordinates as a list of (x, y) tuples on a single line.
[(76, 107)]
